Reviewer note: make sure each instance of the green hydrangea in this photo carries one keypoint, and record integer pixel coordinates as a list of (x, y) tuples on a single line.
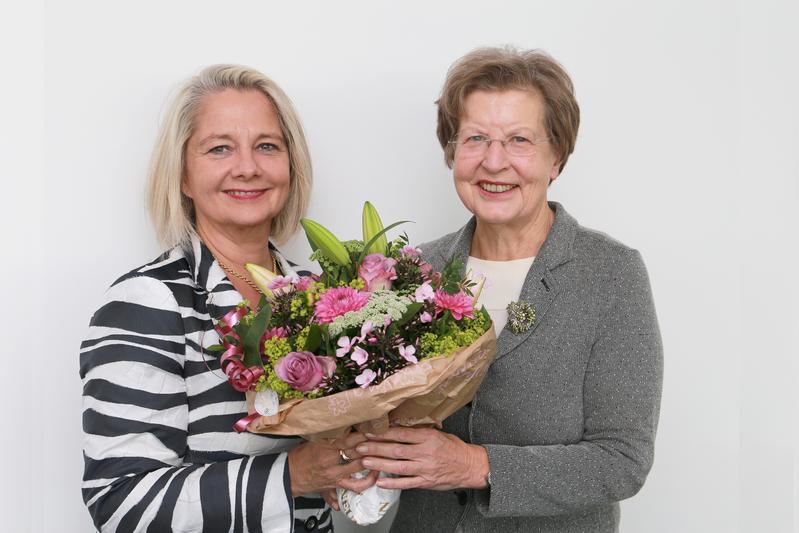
[(300, 338), (275, 348), (354, 247), (458, 335), (300, 307), (269, 380), (381, 304)]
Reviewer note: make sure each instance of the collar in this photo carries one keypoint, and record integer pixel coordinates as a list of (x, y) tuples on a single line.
[(556, 250), (206, 272)]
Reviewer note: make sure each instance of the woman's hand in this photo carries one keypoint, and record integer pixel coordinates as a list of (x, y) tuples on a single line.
[(425, 458), (315, 467)]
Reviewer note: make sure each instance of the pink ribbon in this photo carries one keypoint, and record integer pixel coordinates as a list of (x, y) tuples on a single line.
[(242, 424), (240, 377)]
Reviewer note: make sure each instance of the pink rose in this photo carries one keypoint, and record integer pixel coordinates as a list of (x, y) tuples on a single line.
[(304, 371), (377, 271)]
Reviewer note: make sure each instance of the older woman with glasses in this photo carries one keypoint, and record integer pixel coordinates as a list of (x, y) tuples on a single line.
[(563, 427)]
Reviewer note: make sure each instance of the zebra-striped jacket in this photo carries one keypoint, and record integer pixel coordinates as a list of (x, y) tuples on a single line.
[(160, 451)]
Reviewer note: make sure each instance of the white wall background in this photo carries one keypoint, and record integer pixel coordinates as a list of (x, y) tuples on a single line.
[(687, 151)]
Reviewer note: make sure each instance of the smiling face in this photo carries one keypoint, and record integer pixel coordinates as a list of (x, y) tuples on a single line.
[(237, 163), (498, 188)]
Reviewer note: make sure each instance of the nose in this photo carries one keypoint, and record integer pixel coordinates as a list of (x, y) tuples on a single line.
[(495, 158), (246, 166)]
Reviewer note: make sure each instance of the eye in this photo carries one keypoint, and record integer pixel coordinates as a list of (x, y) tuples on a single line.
[(220, 149), (520, 140), (268, 147), (473, 139)]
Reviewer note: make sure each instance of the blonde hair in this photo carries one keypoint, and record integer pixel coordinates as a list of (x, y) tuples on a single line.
[(172, 212), (502, 69)]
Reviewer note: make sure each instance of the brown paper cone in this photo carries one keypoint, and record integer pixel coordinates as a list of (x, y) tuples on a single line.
[(421, 394)]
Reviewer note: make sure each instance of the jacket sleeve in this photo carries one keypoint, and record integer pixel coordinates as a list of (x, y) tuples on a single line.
[(621, 403), (136, 420)]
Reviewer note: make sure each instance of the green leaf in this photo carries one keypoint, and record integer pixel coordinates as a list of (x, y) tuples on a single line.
[(325, 241), (374, 239), (410, 312), (252, 340), (215, 348), (314, 338), (372, 225)]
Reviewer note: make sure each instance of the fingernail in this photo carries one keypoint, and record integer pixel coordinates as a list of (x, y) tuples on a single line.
[(370, 435), (361, 449), (368, 463)]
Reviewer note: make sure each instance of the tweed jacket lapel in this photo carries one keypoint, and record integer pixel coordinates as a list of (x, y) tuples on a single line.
[(541, 286)]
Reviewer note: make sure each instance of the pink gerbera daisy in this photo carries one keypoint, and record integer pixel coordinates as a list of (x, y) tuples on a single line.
[(335, 302), (459, 304)]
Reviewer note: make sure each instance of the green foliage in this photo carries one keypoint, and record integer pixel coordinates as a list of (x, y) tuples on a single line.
[(451, 276), (252, 337), (456, 334), (314, 338), (276, 348)]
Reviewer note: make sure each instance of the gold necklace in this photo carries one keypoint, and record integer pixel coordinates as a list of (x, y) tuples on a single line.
[(245, 279)]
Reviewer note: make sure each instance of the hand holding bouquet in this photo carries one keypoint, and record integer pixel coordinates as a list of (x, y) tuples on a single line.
[(378, 338)]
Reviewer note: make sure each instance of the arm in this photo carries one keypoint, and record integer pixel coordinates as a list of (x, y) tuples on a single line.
[(620, 404), (136, 420), (610, 463)]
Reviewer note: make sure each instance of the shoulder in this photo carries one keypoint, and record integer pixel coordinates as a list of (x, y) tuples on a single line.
[(439, 251), (599, 256), (154, 285)]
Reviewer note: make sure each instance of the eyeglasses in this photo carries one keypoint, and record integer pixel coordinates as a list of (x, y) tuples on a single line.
[(477, 145)]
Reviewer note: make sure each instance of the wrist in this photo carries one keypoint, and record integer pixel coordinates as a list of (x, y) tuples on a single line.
[(480, 469)]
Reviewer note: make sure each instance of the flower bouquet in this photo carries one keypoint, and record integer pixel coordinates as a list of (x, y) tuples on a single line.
[(378, 338)]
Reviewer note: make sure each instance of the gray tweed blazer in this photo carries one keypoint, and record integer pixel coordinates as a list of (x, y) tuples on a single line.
[(569, 408)]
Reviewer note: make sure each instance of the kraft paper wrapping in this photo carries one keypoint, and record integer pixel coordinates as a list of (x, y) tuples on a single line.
[(421, 394)]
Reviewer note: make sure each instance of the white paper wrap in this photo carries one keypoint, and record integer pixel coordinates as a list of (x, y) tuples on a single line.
[(369, 506)]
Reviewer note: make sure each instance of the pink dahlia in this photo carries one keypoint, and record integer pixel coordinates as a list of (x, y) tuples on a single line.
[(279, 331), (336, 302), (459, 304)]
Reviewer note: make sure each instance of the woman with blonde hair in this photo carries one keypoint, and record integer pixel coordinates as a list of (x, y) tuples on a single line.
[(230, 171)]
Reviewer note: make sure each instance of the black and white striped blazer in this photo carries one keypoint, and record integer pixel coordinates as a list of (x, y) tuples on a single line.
[(160, 451)]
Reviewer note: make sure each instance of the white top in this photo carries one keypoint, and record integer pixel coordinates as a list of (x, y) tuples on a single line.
[(503, 285)]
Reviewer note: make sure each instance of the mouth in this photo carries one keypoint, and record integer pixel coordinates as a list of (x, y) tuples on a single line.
[(241, 194), (495, 188)]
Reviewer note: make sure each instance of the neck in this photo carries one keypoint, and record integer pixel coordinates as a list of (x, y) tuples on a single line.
[(516, 240), (236, 248)]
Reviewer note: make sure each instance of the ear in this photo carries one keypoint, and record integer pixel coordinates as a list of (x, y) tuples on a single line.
[(554, 172), (184, 187)]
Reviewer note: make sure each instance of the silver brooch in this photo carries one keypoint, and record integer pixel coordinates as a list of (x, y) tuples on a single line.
[(521, 316)]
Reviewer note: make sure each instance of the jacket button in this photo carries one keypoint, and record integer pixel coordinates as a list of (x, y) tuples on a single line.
[(461, 494), (310, 523)]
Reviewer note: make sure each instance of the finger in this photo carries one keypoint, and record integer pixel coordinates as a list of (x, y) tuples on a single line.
[(331, 498), (403, 434), (357, 485), (351, 440), (402, 483), (392, 466), (374, 475), (388, 450), (346, 470)]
